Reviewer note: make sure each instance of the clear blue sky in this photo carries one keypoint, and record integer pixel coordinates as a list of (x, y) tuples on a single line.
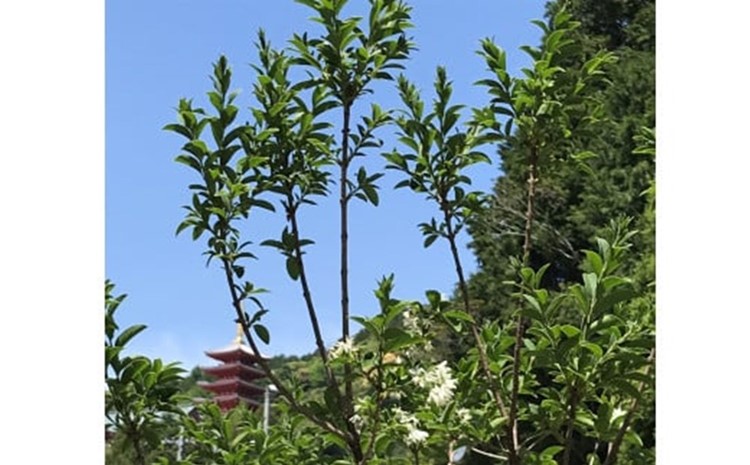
[(158, 52)]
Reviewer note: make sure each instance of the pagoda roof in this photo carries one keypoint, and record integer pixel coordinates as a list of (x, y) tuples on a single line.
[(233, 367), (231, 400), (232, 351), (223, 384), (236, 349)]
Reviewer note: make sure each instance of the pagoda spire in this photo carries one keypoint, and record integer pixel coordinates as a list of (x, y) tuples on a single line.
[(240, 336)]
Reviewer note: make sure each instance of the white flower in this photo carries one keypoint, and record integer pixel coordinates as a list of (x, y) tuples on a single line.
[(439, 380), (464, 415), (405, 418), (416, 437), (440, 395), (357, 421), (396, 395), (441, 374), (420, 377), (411, 323), (343, 347)]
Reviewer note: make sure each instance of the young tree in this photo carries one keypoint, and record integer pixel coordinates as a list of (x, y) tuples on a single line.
[(561, 381)]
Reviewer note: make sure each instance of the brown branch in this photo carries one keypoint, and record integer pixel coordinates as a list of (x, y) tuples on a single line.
[(348, 407), (344, 204), (378, 407), (332, 382), (482, 349), (237, 304), (574, 399), (140, 456), (513, 420), (614, 447)]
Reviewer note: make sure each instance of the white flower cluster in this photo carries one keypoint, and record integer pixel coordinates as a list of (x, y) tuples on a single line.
[(439, 380), (357, 419), (464, 415), (341, 348), (411, 322), (414, 435), (358, 422)]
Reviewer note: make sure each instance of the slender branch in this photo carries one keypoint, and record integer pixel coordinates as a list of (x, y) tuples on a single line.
[(488, 454), (237, 304), (348, 407), (332, 381), (140, 456), (513, 421), (530, 199), (614, 447), (292, 214), (467, 308), (574, 399), (378, 407), (344, 204), (451, 446)]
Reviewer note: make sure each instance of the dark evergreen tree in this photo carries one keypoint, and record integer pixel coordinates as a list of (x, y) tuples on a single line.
[(575, 201)]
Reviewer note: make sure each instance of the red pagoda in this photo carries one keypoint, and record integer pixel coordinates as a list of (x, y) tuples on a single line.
[(236, 377)]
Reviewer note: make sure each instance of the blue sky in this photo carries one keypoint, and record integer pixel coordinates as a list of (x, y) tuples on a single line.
[(158, 52)]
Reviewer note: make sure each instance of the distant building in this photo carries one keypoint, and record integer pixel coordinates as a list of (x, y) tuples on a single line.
[(236, 377)]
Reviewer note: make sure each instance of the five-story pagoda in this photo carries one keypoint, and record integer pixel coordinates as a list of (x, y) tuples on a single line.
[(236, 378)]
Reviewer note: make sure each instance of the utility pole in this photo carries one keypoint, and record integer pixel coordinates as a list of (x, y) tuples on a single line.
[(267, 405)]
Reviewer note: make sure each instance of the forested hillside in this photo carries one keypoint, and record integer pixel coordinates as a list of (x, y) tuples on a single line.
[(576, 201)]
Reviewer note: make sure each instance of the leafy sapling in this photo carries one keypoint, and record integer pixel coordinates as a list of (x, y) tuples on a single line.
[(438, 154), (345, 60), (540, 110)]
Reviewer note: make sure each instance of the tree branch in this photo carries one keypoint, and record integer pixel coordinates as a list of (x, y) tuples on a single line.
[(467, 308), (513, 421), (574, 399), (292, 215), (237, 304), (614, 447), (348, 407)]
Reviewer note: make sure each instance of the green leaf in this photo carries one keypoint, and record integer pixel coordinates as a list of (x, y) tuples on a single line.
[(371, 326), (537, 309), (179, 129), (128, 334), (595, 261), (371, 193), (569, 330), (396, 338), (631, 437), (273, 243), (458, 315), (551, 451), (590, 282), (626, 388), (612, 298), (434, 298), (603, 417), (262, 333), (593, 348), (292, 268), (429, 240)]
